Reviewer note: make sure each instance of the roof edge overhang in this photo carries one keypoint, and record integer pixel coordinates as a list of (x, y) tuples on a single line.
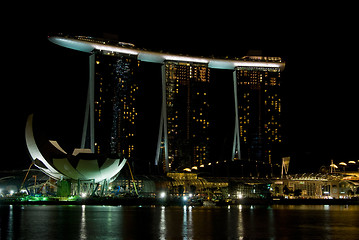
[(159, 57)]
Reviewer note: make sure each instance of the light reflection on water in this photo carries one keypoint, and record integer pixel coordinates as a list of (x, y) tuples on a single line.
[(83, 234), (162, 227), (232, 222)]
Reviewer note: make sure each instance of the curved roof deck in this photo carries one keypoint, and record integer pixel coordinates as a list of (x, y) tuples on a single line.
[(88, 44)]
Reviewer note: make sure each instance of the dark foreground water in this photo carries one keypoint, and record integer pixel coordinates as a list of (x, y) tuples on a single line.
[(233, 222)]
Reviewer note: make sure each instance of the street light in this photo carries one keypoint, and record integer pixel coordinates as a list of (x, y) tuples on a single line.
[(333, 167), (162, 195), (343, 164)]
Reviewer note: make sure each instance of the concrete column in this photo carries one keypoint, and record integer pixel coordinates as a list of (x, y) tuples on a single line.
[(163, 132), (90, 109), (236, 139)]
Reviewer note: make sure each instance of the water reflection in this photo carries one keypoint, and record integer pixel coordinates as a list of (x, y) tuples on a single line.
[(233, 222), (83, 234), (187, 223), (235, 225), (162, 227), (240, 226), (10, 223)]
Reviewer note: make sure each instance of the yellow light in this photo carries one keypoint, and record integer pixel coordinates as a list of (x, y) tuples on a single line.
[(333, 165)]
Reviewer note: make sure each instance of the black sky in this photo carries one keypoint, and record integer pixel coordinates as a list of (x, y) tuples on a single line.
[(318, 44)]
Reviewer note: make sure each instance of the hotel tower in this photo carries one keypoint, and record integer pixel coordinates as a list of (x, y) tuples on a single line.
[(258, 107), (183, 139), (109, 126)]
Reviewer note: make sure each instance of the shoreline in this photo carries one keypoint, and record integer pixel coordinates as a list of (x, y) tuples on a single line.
[(180, 202)]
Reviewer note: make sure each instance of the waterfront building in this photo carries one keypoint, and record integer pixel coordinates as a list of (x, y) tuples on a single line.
[(114, 98), (184, 136), (318, 185), (183, 139), (80, 170), (258, 107)]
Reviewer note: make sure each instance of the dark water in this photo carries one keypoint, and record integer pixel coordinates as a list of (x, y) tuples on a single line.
[(234, 222)]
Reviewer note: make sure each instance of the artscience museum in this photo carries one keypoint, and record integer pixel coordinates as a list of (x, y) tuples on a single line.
[(81, 166)]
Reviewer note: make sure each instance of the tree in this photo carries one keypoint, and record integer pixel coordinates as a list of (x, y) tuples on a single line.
[(63, 188), (298, 192), (285, 190), (180, 189), (192, 189)]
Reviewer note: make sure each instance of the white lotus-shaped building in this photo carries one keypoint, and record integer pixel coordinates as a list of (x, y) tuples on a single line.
[(81, 165)]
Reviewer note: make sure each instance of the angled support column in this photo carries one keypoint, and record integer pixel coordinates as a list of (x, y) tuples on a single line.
[(236, 140), (163, 134), (90, 110)]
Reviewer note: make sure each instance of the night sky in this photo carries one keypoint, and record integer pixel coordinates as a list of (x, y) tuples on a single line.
[(318, 44)]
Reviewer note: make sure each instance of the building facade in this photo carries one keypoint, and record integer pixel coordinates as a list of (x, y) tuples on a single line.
[(183, 139), (258, 110), (184, 136), (111, 104)]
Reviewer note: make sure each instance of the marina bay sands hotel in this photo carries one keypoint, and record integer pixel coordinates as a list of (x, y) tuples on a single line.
[(183, 134)]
